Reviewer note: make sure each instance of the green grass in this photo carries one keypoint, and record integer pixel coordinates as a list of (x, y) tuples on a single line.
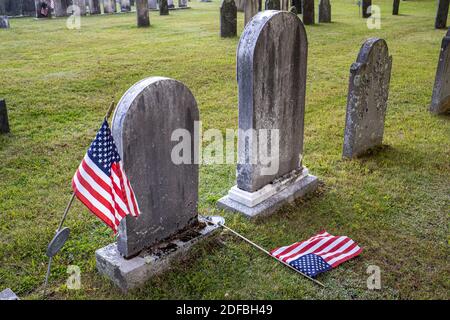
[(59, 82)]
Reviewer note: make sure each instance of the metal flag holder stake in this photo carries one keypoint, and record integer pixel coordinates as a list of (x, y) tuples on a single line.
[(62, 234), (221, 223)]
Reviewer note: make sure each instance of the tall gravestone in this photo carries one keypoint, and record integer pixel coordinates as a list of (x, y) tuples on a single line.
[(163, 8), (4, 22), (143, 19), (153, 4), (153, 118), (308, 12), (367, 98), (94, 7), (271, 85), (324, 11), (228, 19), (395, 7), (250, 10), (272, 5), (366, 4), (440, 101), (4, 124), (442, 14)]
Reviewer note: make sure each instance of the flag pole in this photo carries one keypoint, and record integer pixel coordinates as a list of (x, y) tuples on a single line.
[(265, 251), (66, 211)]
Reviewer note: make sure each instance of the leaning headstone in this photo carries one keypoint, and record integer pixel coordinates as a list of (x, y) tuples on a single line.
[(366, 4), (324, 11), (308, 12), (153, 4), (8, 294), (271, 85), (152, 120), (4, 22), (367, 98), (440, 101), (272, 5), (228, 19), (250, 10), (442, 14), (163, 8), (94, 7), (395, 7), (4, 124), (143, 19)]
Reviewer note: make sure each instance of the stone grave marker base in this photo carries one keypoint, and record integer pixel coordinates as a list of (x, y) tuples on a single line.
[(271, 197), (132, 273)]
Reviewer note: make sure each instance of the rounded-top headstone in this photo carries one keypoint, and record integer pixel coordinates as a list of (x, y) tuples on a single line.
[(271, 70), (167, 193)]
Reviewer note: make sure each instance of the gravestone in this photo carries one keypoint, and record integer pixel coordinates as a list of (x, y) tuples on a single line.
[(8, 294), (151, 120), (4, 124), (228, 19), (153, 4), (367, 98), (442, 14), (170, 4), (143, 18), (324, 11), (271, 86), (440, 101), (163, 8), (4, 22), (308, 12), (395, 7), (272, 5), (182, 3), (114, 5), (94, 7), (250, 10), (125, 6), (365, 8), (108, 6)]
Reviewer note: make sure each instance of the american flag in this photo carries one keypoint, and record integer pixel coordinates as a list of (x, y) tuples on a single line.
[(101, 184), (318, 254)]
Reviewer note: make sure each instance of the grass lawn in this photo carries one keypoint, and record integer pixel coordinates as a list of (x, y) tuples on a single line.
[(395, 204)]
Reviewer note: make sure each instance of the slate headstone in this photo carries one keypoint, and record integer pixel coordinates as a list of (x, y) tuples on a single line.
[(271, 89), (365, 8), (395, 7), (308, 12), (442, 14), (367, 98), (4, 22), (167, 193), (272, 5), (143, 18), (4, 123), (250, 10), (324, 11), (228, 19), (440, 101), (163, 8)]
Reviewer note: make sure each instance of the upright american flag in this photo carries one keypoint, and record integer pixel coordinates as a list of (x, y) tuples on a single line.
[(101, 184), (318, 254)]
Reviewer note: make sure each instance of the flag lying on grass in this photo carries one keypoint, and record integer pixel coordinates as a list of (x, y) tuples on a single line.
[(318, 254), (101, 184)]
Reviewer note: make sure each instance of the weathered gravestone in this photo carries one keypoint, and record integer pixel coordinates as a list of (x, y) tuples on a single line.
[(442, 14), (272, 5), (440, 101), (308, 12), (8, 294), (250, 10), (163, 8), (271, 85), (153, 4), (367, 98), (151, 121), (4, 22), (395, 7), (324, 11), (143, 19), (4, 124), (228, 19), (108, 6), (94, 7), (366, 4)]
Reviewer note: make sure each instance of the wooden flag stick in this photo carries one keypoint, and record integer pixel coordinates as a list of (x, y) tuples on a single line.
[(265, 251)]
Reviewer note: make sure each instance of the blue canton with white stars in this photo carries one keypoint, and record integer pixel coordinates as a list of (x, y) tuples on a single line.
[(310, 264), (103, 150)]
